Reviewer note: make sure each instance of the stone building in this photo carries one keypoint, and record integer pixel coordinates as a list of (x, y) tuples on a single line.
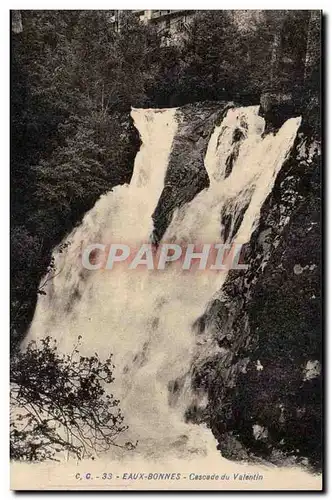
[(171, 24)]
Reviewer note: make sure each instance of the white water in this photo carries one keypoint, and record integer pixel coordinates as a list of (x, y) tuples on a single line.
[(143, 317)]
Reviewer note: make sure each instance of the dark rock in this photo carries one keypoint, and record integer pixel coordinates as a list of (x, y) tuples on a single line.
[(268, 374), (275, 108), (186, 175)]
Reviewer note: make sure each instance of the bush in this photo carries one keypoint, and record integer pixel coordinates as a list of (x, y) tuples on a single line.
[(59, 403)]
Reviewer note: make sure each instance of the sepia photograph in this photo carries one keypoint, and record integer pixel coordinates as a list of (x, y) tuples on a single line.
[(166, 250)]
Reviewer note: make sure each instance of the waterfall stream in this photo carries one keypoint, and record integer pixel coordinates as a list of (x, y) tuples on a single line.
[(145, 317)]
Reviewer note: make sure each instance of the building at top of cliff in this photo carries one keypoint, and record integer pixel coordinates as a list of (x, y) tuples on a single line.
[(171, 24)]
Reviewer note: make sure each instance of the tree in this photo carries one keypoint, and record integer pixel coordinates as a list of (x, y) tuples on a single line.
[(60, 403), (72, 135), (212, 57)]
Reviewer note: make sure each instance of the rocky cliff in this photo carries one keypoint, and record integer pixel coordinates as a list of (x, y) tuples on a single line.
[(264, 386), (264, 382), (186, 175)]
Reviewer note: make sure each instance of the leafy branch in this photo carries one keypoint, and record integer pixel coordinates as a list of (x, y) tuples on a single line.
[(60, 402)]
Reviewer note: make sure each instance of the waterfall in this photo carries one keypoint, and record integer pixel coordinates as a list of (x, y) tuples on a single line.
[(145, 318)]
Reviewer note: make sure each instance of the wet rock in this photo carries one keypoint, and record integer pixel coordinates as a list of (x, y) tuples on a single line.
[(275, 107), (270, 374), (186, 175)]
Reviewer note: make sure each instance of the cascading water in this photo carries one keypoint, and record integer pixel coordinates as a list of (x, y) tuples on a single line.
[(143, 317)]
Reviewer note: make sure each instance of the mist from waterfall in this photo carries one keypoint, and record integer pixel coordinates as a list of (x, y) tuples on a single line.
[(145, 318)]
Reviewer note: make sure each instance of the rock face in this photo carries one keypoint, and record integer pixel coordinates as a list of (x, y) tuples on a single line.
[(264, 386), (186, 175), (276, 107)]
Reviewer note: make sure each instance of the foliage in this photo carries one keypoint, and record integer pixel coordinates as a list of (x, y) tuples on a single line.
[(60, 403), (213, 63)]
